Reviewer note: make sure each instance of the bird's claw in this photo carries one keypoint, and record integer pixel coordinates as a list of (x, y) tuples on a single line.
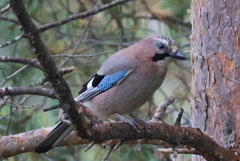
[(126, 120), (142, 122)]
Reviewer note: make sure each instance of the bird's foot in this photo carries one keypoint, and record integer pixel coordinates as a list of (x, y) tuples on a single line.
[(142, 122), (126, 120)]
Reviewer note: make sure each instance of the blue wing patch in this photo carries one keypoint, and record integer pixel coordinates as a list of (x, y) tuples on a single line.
[(105, 83), (110, 80)]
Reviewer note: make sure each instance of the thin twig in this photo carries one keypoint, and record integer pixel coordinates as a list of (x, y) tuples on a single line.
[(13, 74), (121, 27), (105, 158), (52, 108), (78, 43), (175, 152), (4, 44), (81, 15), (10, 20), (138, 147), (13, 91), (160, 112), (81, 56), (9, 120), (5, 9), (3, 101), (89, 146), (30, 62), (23, 100), (180, 151), (118, 145), (3, 73), (179, 117), (15, 107), (108, 43)]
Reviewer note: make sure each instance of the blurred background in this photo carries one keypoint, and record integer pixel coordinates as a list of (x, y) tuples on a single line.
[(85, 44)]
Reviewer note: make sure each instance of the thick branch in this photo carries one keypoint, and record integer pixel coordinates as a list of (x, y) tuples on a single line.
[(81, 15), (171, 134), (51, 72), (175, 135), (12, 145), (13, 91)]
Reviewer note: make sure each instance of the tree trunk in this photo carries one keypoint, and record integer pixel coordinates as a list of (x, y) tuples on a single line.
[(215, 70)]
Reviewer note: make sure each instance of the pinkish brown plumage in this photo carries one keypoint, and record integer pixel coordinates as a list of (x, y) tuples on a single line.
[(125, 81)]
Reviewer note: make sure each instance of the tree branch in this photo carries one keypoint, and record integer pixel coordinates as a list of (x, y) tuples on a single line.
[(17, 38), (31, 62), (175, 135), (169, 20), (81, 15), (13, 91), (4, 9), (179, 151), (51, 71), (9, 19)]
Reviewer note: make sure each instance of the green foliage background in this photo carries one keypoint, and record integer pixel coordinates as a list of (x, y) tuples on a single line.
[(94, 38)]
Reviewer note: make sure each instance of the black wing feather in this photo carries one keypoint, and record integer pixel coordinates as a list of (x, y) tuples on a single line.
[(97, 79)]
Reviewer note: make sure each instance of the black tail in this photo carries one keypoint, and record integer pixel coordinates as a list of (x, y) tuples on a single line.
[(61, 130)]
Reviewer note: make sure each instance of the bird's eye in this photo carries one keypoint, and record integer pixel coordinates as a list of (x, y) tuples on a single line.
[(161, 46)]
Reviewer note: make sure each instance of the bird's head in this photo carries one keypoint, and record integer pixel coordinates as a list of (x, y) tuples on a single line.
[(165, 47)]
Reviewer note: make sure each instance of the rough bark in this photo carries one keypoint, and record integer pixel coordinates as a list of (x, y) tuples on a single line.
[(215, 70), (172, 134)]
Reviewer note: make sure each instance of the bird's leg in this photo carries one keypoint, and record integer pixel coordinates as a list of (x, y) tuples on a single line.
[(126, 120), (143, 123)]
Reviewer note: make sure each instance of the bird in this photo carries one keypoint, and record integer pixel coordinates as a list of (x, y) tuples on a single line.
[(125, 81)]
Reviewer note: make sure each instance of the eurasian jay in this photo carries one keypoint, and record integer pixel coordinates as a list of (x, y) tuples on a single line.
[(124, 82)]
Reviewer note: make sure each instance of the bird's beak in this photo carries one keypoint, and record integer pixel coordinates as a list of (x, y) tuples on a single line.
[(178, 55)]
